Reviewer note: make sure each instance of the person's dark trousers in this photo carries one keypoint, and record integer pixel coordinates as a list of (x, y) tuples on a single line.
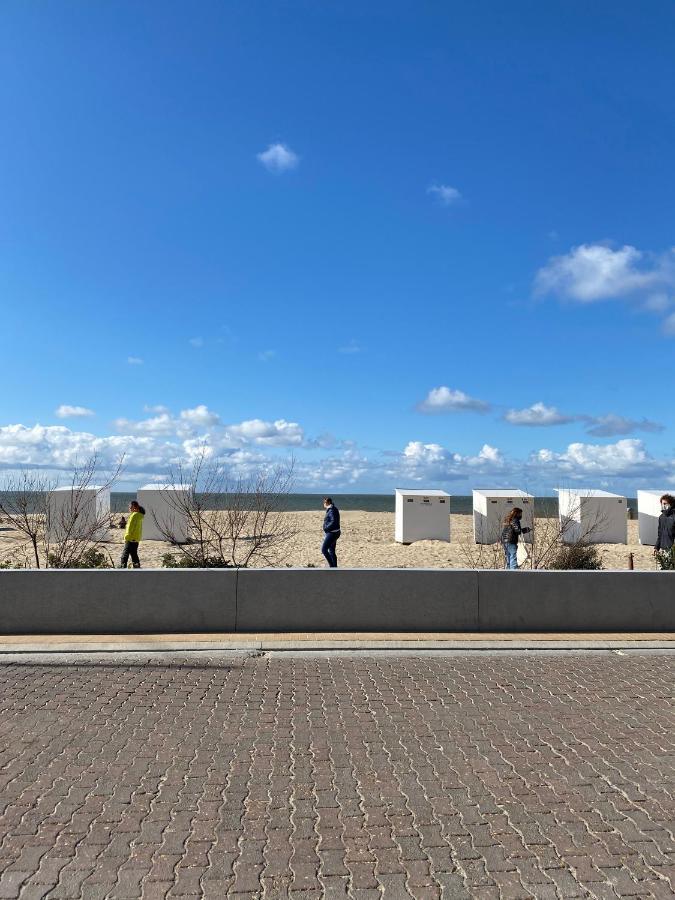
[(130, 550), (328, 548)]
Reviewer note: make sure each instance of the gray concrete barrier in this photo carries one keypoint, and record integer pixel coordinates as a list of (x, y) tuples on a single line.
[(357, 600), (576, 601), (267, 600), (116, 602)]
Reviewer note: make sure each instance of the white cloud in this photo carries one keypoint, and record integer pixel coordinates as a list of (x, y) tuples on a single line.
[(278, 158), (537, 414), (56, 447), (657, 303), (350, 348), (200, 425), (199, 417), (416, 452), (161, 424), (432, 462), (489, 454), (445, 194), (196, 342), (445, 399), (625, 456), (611, 425), (158, 408), (669, 325), (267, 434), (267, 355), (164, 423), (580, 462), (330, 472), (134, 361), (73, 412), (152, 447), (593, 272)]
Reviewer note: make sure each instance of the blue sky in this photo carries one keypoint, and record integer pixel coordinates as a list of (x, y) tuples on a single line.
[(410, 243)]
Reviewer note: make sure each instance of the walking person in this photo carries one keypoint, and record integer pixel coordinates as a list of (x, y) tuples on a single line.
[(133, 535), (666, 534), (511, 531), (331, 531)]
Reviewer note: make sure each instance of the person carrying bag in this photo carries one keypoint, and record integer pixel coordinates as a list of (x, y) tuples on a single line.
[(511, 533)]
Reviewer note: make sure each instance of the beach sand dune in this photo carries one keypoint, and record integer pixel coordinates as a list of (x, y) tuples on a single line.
[(367, 542)]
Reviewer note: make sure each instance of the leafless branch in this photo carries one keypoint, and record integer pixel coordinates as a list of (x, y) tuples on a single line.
[(230, 521), (23, 504), (79, 524)]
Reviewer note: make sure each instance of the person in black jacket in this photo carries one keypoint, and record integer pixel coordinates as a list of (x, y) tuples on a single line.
[(510, 533), (666, 535), (331, 531)]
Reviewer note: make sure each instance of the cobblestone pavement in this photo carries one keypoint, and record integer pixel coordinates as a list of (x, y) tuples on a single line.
[(478, 776)]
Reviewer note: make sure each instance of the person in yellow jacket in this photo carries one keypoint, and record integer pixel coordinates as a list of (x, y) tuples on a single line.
[(133, 535)]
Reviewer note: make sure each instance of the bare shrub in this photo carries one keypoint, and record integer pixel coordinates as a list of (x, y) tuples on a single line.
[(576, 556), (565, 543), (481, 556), (231, 520), (92, 558), (185, 561), (548, 537), (76, 529), (665, 559), (24, 505), (554, 543)]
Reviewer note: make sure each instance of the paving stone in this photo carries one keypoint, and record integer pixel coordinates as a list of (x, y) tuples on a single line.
[(394, 887), (278, 777), (10, 883)]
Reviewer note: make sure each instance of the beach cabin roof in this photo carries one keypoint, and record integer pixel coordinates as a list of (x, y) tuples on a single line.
[(165, 487), (500, 492), (80, 487), (417, 493), (588, 492)]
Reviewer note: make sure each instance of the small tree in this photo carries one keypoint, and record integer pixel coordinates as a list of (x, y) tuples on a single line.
[(554, 543), (73, 533), (562, 543), (252, 526), (24, 505)]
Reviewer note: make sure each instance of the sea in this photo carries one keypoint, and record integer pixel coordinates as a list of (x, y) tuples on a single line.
[(459, 504), (546, 507)]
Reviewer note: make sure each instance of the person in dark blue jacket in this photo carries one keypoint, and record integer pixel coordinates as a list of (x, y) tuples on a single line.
[(331, 531), (666, 535)]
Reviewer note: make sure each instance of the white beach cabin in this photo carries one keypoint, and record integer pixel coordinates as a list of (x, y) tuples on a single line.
[(596, 517), (75, 512), (165, 512), (422, 516), (649, 510), (490, 507)]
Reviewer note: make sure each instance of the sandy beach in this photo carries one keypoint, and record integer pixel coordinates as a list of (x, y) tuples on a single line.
[(367, 542)]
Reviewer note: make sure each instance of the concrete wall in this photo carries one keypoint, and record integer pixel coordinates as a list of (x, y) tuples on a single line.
[(267, 600), (117, 602), (357, 600), (576, 601)]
